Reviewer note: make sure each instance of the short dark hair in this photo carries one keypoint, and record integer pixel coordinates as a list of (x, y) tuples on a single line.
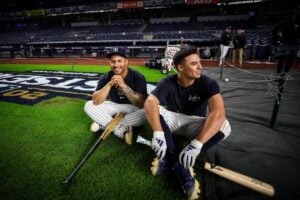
[(182, 53)]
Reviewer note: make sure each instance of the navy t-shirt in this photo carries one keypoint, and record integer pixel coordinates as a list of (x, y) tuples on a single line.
[(226, 38), (135, 80), (191, 100)]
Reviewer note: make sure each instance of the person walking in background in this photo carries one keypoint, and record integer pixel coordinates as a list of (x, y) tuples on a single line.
[(239, 42), (226, 38)]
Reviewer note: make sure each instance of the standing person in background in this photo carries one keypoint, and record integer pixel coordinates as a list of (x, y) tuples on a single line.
[(183, 44), (226, 38), (205, 54), (284, 46), (239, 42), (281, 47), (120, 90)]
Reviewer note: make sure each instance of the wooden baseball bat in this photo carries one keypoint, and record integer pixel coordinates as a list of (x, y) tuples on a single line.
[(111, 126), (241, 179), (228, 174), (114, 122)]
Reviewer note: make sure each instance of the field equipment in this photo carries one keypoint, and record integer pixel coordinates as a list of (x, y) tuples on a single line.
[(165, 63)]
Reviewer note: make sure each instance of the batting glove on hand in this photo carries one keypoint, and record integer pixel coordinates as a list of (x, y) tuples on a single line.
[(159, 144), (188, 155)]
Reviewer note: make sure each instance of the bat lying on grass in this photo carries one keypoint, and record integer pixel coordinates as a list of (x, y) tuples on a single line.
[(114, 122), (228, 174)]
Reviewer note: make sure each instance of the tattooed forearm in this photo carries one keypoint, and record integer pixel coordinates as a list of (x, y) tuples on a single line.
[(134, 97)]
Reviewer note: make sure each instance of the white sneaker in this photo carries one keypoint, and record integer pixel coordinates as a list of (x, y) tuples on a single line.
[(95, 127), (120, 131)]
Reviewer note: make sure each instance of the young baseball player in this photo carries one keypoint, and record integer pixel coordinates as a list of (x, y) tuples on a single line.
[(226, 38), (120, 90), (187, 96)]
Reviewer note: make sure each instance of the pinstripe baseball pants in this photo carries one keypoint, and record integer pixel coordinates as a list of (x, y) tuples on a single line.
[(103, 113), (179, 124), (187, 125), (224, 50)]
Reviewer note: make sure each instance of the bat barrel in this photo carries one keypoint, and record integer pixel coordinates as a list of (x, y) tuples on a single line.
[(241, 179)]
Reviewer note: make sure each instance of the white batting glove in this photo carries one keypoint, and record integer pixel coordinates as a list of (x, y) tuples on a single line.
[(159, 144), (188, 155)]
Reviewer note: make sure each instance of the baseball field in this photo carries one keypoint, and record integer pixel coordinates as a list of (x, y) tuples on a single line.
[(42, 143), (45, 133)]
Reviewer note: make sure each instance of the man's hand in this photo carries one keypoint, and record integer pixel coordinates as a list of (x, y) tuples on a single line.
[(159, 144), (189, 154), (118, 81)]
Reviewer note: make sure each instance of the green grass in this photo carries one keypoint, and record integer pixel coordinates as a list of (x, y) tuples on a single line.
[(41, 145)]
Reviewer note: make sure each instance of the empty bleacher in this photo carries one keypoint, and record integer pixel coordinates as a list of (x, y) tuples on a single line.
[(204, 31)]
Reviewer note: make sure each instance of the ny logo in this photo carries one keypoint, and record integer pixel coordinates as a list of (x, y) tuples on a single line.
[(115, 49)]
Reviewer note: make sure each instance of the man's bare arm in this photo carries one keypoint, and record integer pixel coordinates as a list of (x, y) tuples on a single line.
[(152, 112), (134, 97), (100, 95), (214, 119)]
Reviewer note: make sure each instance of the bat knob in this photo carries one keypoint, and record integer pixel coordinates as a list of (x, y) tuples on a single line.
[(128, 136), (65, 184)]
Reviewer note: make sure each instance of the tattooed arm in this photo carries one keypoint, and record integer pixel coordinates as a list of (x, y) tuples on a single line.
[(134, 97)]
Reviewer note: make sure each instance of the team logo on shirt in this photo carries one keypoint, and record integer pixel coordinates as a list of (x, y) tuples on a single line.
[(193, 98), (121, 93)]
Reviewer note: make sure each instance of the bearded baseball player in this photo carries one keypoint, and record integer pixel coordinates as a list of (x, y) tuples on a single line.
[(120, 90), (187, 96)]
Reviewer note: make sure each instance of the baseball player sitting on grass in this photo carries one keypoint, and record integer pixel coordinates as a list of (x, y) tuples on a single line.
[(186, 95), (127, 91)]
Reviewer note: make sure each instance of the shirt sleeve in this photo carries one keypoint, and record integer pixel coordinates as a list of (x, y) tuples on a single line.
[(140, 85), (161, 90), (102, 81), (212, 88)]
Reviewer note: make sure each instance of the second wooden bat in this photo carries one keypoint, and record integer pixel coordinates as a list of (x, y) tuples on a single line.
[(228, 174)]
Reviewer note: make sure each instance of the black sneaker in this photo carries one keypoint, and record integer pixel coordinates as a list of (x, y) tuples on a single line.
[(190, 186)]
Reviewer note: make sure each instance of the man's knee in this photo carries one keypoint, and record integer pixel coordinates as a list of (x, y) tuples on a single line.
[(89, 106), (226, 128), (224, 132)]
